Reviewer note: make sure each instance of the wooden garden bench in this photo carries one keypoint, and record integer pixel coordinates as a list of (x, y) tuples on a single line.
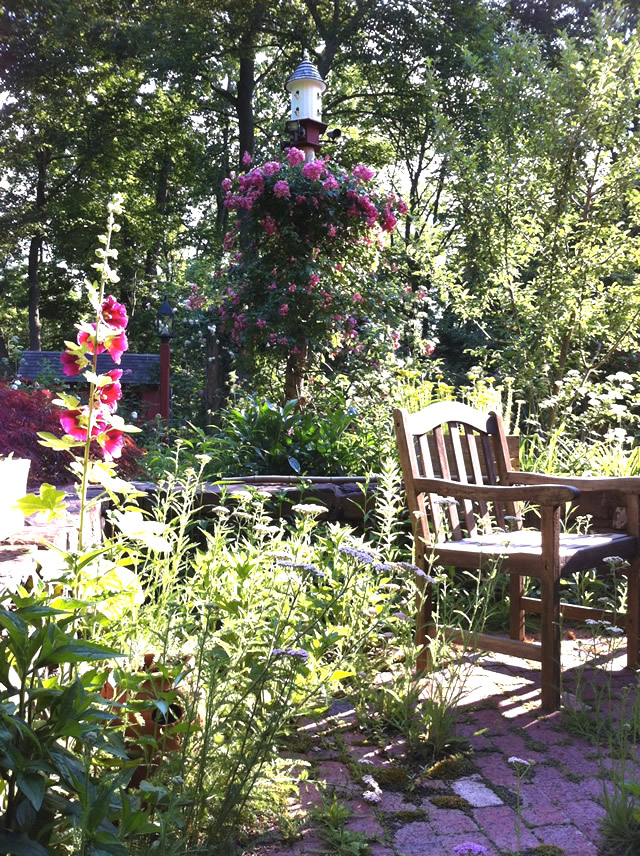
[(463, 496)]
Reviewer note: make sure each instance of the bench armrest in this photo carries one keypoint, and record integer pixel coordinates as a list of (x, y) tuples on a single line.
[(585, 484), (542, 494)]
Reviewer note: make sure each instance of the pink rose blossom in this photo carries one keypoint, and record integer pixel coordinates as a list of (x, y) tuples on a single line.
[(281, 189), (363, 173), (300, 200), (271, 168), (313, 170), (291, 288), (358, 298), (227, 184), (284, 309), (272, 286), (269, 225), (246, 158), (332, 231), (330, 183), (261, 323), (294, 156), (388, 220)]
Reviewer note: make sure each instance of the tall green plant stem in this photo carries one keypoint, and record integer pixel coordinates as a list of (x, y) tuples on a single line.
[(104, 274)]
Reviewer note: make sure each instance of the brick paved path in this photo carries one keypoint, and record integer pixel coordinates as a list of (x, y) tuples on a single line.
[(560, 799)]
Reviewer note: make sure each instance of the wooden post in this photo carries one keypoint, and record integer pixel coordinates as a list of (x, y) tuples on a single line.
[(550, 607), (633, 590)]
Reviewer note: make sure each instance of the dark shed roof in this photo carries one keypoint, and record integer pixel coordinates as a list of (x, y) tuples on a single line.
[(138, 369)]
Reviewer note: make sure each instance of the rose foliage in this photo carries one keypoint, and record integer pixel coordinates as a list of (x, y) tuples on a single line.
[(303, 259)]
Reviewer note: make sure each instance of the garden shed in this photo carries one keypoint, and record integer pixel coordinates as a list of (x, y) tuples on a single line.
[(140, 375)]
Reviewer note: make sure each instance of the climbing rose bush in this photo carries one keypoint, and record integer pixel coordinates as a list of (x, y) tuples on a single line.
[(303, 258)]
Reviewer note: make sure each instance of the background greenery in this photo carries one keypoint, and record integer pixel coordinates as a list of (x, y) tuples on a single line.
[(510, 128)]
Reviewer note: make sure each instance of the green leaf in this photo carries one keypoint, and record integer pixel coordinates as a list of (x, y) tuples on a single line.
[(25, 815), (33, 787), (294, 464), (38, 610), (61, 444), (49, 502), (77, 652), (13, 623), (16, 844), (339, 675)]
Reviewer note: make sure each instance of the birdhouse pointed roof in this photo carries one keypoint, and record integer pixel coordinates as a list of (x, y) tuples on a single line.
[(305, 71)]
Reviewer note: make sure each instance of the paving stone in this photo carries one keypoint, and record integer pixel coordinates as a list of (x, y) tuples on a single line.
[(569, 838), (446, 821), (573, 758), (537, 808), (495, 769), (368, 753), (481, 743), (366, 825), (475, 792), (586, 814), (310, 796), (499, 824), (310, 846), (562, 790), (490, 719), (333, 773), (546, 733), (512, 745), (391, 802), (451, 841), (397, 748), (418, 839)]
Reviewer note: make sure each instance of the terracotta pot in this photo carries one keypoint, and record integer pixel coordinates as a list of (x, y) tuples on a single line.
[(150, 722), (13, 478)]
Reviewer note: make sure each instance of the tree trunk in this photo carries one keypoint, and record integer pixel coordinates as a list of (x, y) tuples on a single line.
[(4, 351), (35, 257), (162, 198), (216, 376), (244, 104), (295, 375)]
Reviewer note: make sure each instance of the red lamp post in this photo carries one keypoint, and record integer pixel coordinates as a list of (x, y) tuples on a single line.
[(164, 321)]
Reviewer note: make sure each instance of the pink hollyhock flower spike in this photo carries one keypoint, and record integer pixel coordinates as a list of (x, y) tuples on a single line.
[(73, 362), (89, 340), (110, 393), (113, 313)]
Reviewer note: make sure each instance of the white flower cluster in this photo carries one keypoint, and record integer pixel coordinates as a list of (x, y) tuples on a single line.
[(373, 794)]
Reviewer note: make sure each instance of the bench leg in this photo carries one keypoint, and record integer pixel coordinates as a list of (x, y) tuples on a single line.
[(550, 608), (425, 628), (633, 614), (516, 613)]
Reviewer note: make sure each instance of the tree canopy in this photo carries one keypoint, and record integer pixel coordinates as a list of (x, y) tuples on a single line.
[(510, 128)]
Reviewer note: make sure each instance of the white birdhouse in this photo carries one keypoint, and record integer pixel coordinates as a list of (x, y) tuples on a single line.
[(306, 88)]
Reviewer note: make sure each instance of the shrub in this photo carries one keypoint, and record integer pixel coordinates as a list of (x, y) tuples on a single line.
[(28, 411)]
